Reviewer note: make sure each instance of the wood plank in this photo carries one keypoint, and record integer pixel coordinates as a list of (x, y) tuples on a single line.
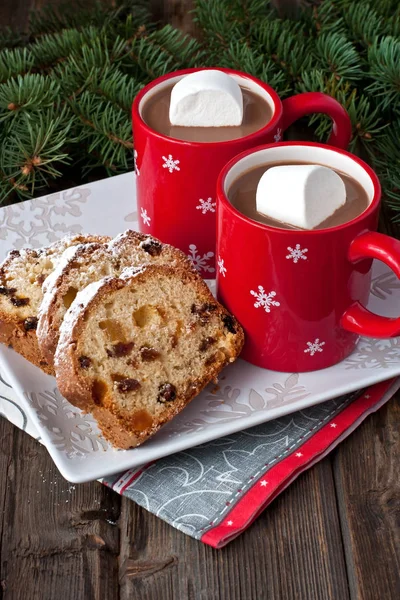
[(176, 13), (14, 13), (366, 468), (57, 540), (293, 550)]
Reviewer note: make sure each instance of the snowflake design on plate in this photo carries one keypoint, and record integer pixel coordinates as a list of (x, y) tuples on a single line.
[(297, 253), (145, 217), (38, 222), (200, 262), (72, 432), (171, 164), (278, 135), (221, 266), (206, 206), (135, 156), (314, 347), (374, 354), (264, 299)]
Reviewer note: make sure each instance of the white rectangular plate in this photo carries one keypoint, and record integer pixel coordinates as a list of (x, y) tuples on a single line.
[(246, 395)]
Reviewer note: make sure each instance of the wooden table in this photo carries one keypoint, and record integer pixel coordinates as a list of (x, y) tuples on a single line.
[(331, 535)]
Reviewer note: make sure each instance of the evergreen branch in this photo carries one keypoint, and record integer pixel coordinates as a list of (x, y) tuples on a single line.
[(10, 38), (18, 61), (384, 59), (327, 16), (165, 50), (243, 58), (105, 129), (284, 43), (30, 92), (337, 55), (364, 24), (99, 14), (34, 155), (66, 87)]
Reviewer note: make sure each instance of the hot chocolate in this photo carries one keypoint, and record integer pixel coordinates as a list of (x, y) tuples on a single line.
[(256, 114), (242, 195)]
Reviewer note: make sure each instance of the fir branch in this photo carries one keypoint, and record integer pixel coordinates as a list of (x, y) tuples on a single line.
[(66, 95), (30, 92), (32, 155), (165, 50), (82, 13), (384, 59), (364, 24), (17, 61), (243, 58), (105, 130), (10, 38), (335, 54)]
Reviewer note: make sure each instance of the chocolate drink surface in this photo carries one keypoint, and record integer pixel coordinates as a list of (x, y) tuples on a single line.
[(242, 195), (256, 114)]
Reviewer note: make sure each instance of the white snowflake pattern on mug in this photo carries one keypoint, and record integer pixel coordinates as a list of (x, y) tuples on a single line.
[(135, 156), (278, 135), (264, 300), (206, 206), (221, 266), (297, 253), (171, 164), (314, 347), (145, 217)]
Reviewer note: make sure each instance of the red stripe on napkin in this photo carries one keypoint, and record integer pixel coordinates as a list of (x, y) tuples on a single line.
[(267, 487), (128, 477)]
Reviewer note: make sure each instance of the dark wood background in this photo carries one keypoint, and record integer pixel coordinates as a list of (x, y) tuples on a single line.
[(333, 535)]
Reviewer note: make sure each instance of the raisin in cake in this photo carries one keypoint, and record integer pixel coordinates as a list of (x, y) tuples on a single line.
[(22, 275), (85, 264), (135, 350)]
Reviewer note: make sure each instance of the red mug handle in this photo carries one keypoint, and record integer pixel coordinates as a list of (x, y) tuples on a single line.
[(357, 318), (316, 102)]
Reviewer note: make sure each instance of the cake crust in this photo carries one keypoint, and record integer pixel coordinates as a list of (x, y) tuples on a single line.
[(22, 275), (87, 263), (131, 409)]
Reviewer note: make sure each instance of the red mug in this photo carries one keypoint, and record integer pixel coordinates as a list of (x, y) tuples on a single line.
[(176, 179), (301, 295)]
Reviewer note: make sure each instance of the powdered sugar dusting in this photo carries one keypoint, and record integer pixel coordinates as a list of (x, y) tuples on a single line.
[(75, 311), (65, 257), (130, 272)]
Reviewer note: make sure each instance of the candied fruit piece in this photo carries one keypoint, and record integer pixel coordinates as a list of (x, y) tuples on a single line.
[(128, 385), (145, 314), (5, 291), (120, 349), (30, 323), (149, 354), (151, 246), (166, 392), (229, 323), (140, 420), (19, 301), (114, 330), (99, 391), (84, 362), (206, 343), (177, 333), (204, 311)]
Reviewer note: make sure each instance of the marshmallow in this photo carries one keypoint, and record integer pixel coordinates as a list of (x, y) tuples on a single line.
[(300, 195), (207, 98)]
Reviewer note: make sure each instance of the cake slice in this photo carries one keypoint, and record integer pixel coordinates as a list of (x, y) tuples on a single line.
[(22, 275), (134, 350), (85, 264)]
